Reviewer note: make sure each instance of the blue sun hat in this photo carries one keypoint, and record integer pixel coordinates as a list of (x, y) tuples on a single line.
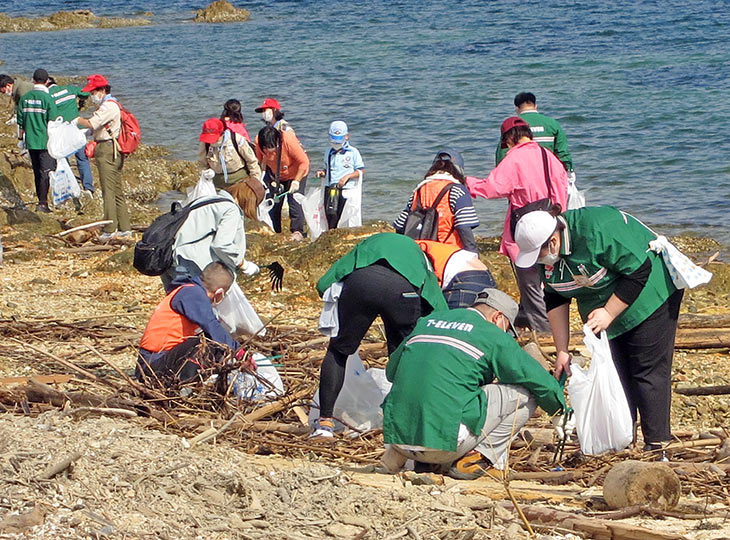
[(338, 130)]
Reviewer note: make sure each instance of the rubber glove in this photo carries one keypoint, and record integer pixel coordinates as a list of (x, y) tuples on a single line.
[(250, 268), (294, 187)]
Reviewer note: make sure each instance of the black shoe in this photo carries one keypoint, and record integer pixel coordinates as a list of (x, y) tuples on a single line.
[(43, 208)]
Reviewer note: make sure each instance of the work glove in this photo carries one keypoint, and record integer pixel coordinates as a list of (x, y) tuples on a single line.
[(250, 268), (294, 187), (11, 121), (21, 145), (208, 174), (248, 361), (564, 424)]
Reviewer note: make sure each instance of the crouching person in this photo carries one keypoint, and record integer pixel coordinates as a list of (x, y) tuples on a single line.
[(170, 348), (445, 407)]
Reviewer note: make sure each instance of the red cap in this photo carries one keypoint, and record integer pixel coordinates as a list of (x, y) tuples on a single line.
[(513, 121), (269, 103), (95, 81), (213, 128)]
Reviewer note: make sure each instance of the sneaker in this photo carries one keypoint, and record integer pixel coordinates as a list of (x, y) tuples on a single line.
[(297, 236), (87, 193), (105, 237), (43, 208), (469, 467), (124, 234), (324, 429)]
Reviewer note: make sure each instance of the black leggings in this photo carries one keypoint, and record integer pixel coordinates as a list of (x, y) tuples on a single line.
[(643, 359), (180, 363), (366, 293)]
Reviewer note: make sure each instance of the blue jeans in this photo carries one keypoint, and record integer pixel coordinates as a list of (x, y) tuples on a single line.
[(82, 162)]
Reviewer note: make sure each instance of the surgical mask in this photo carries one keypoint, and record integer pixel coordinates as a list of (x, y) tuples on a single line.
[(8, 90), (267, 115), (550, 258), (337, 145), (96, 98)]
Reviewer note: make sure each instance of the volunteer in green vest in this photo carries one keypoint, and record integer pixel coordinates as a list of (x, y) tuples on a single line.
[(445, 406), (35, 109), (385, 275), (106, 123), (600, 256), (66, 97), (546, 131)]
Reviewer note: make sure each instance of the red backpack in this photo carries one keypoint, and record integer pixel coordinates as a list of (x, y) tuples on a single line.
[(130, 134)]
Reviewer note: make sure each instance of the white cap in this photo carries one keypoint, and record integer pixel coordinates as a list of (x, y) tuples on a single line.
[(532, 231), (338, 130)]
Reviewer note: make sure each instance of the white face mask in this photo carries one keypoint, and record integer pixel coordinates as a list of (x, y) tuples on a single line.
[(96, 98), (336, 146), (267, 115), (550, 258), (8, 90)]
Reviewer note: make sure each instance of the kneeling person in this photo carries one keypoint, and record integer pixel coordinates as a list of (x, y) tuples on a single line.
[(170, 348), (445, 403)]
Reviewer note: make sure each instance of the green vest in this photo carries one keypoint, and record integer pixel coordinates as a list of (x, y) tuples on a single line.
[(35, 110), (65, 100), (437, 375), (401, 253), (546, 132), (601, 244)]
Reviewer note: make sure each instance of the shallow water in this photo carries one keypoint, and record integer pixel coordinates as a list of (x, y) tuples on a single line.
[(640, 88)]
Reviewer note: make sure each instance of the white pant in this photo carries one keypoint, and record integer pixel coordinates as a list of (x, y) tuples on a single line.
[(509, 407)]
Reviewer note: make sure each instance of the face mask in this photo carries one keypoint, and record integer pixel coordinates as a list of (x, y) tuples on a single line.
[(8, 90), (96, 98), (336, 146), (267, 115), (550, 258)]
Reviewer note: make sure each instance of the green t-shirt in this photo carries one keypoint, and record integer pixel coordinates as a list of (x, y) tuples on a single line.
[(601, 244), (35, 110), (65, 99), (437, 375), (401, 253), (548, 133)]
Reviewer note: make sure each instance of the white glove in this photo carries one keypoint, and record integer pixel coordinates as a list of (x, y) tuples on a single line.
[(294, 186), (11, 121), (21, 145), (250, 268), (571, 177), (75, 121), (562, 427), (208, 174)]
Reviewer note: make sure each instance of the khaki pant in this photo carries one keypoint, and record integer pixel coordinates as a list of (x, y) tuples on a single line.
[(112, 188)]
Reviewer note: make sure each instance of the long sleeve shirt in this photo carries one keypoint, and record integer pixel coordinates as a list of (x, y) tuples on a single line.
[(520, 178), (294, 160)]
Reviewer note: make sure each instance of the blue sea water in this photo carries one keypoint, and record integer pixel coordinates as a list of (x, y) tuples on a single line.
[(639, 87)]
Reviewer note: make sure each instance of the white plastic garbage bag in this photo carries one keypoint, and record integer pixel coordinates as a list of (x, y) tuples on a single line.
[(313, 207), (262, 212), (684, 273), (64, 185), (246, 386), (602, 415), (64, 138), (360, 398), (204, 188), (236, 313), (576, 198), (352, 212)]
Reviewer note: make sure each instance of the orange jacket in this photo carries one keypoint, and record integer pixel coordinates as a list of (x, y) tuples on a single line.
[(167, 328), (428, 193), (439, 255), (294, 160)]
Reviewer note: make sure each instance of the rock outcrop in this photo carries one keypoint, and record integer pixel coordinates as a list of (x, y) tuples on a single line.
[(221, 11), (64, 20)]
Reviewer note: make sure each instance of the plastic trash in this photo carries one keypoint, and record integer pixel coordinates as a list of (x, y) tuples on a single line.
[(352, 212), (602, 415), (246, 386), (64, 185), (576, 198), (684, 273), (64, 138), (313, 207), (237, 315), (358, 404)]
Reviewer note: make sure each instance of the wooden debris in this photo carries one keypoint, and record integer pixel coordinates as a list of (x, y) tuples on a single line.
[(59, 467), (631, 483), (704, 390)]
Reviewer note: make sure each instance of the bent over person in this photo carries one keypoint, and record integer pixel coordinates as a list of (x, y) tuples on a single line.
[(445, 407), (385, 275)]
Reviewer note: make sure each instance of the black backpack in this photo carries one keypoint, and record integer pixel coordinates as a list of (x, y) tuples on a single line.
[(153, 254), (423, 223)]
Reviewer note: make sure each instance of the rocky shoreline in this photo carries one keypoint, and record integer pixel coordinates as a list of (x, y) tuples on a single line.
[(219, 11)]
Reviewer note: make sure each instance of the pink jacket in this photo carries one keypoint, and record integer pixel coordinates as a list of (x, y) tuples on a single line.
[(520, 177)]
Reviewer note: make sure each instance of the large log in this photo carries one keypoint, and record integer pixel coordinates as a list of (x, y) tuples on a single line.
[(631, 483), (591, 527)]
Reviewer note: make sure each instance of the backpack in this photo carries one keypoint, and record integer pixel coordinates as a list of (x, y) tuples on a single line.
[(423, 223), (153, 254), (130, 134)]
